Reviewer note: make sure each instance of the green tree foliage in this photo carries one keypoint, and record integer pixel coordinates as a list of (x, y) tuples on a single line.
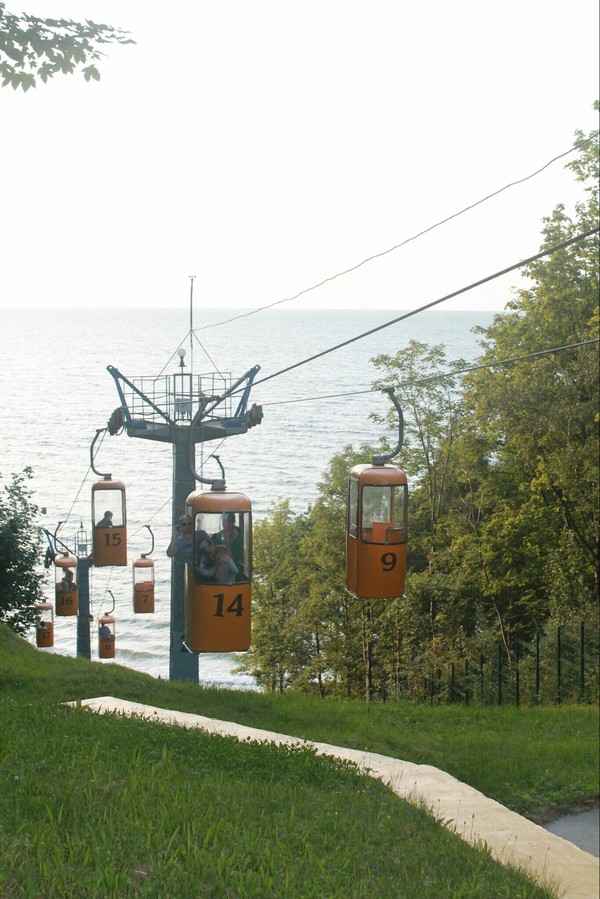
[(432, 404), (503, 500), (540, 416), (20, 554), (279, 640), (34, 49)]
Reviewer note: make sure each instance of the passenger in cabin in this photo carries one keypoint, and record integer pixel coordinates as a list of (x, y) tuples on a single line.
[(181, 546), (105, 633), (226, 571), (205, 563), (107, 521), (67, 584), (230, 536), (217, 567)]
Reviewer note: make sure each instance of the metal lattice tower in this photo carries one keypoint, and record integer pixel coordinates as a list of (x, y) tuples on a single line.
[(183, 409)]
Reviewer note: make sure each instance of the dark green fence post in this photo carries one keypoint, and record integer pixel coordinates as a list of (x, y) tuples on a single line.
[(481, 676), (558, 661), (537, 666), (499, 673), (582, 661), (517, 678)]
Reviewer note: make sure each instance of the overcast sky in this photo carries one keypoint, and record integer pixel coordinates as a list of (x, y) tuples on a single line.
[(264, 146)]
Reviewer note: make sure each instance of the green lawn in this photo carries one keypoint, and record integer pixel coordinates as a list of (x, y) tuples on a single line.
[(101, 806)]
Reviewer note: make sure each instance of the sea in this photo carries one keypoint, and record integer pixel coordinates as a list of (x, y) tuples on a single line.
[(57, 394)]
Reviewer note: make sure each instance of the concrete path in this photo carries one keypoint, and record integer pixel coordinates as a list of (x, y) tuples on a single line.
[(581, 828), (511, 838)]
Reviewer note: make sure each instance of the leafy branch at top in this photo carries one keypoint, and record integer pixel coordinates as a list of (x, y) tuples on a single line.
[(34, 49)]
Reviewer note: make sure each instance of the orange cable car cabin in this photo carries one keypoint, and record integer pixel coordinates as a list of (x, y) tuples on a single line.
[(218, 577), (109, 523), (65, 588), (106, 636), (44, 626), (143, 585), (377, 531)]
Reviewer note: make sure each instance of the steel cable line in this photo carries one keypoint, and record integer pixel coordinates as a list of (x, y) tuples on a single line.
[(202, 347), (81, 486), (402, 243), (440, 377), (511, 268)]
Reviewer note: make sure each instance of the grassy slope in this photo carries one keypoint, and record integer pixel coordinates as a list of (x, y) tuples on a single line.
[(109, 806), (537, 761)]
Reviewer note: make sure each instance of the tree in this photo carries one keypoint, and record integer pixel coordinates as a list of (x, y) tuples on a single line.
[(503, 500), (541, 415), (280, 644), (34, 49), (432, 411), (308, 632), (20, 554), (340, 621)]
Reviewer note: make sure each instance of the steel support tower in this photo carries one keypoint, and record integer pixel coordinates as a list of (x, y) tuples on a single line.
[(183, 409)]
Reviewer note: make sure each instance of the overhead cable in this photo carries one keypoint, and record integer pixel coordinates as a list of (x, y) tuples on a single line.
[(439, 377), (511, 268), (403, 243), (202, 347)]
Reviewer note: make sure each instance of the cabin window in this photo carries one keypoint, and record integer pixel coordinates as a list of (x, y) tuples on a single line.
[(227, 528), (353, 507), (384, 513)]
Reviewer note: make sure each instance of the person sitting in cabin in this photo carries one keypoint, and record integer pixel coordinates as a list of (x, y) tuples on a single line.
[(181, 547), (217, 567), (107, 521), (226, 571), (104, 632), (230, 536), (67, 584), (205, 563)]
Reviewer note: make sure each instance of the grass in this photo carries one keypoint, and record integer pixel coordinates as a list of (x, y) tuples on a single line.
[(111, 806)]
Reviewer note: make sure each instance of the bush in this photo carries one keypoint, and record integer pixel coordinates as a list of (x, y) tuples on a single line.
[(20, 553)]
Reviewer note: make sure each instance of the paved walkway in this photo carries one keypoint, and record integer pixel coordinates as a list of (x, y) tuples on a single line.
[(581, 828), (510, 837)]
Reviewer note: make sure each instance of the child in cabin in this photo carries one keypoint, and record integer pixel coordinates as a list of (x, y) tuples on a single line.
[(217, 567), (226, 570)]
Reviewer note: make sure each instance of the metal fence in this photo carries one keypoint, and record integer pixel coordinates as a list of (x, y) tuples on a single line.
[(556, 666)]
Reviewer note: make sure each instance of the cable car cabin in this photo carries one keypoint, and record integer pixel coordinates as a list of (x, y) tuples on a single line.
[(44, 626), (106, 636), (65, 590), (109, 523), (143, 585), (377, 530), (218, 580)]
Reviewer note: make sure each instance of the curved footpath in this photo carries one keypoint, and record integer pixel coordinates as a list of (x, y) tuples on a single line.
[(510, 837)]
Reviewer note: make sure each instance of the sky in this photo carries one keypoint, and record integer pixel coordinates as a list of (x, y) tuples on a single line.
[(264, 147)]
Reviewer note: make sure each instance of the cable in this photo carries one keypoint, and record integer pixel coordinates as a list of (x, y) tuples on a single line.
[(202, 347), (440, 377), (402, 244), (152, 517), (449, 296), (207, 354), (85, 477)]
